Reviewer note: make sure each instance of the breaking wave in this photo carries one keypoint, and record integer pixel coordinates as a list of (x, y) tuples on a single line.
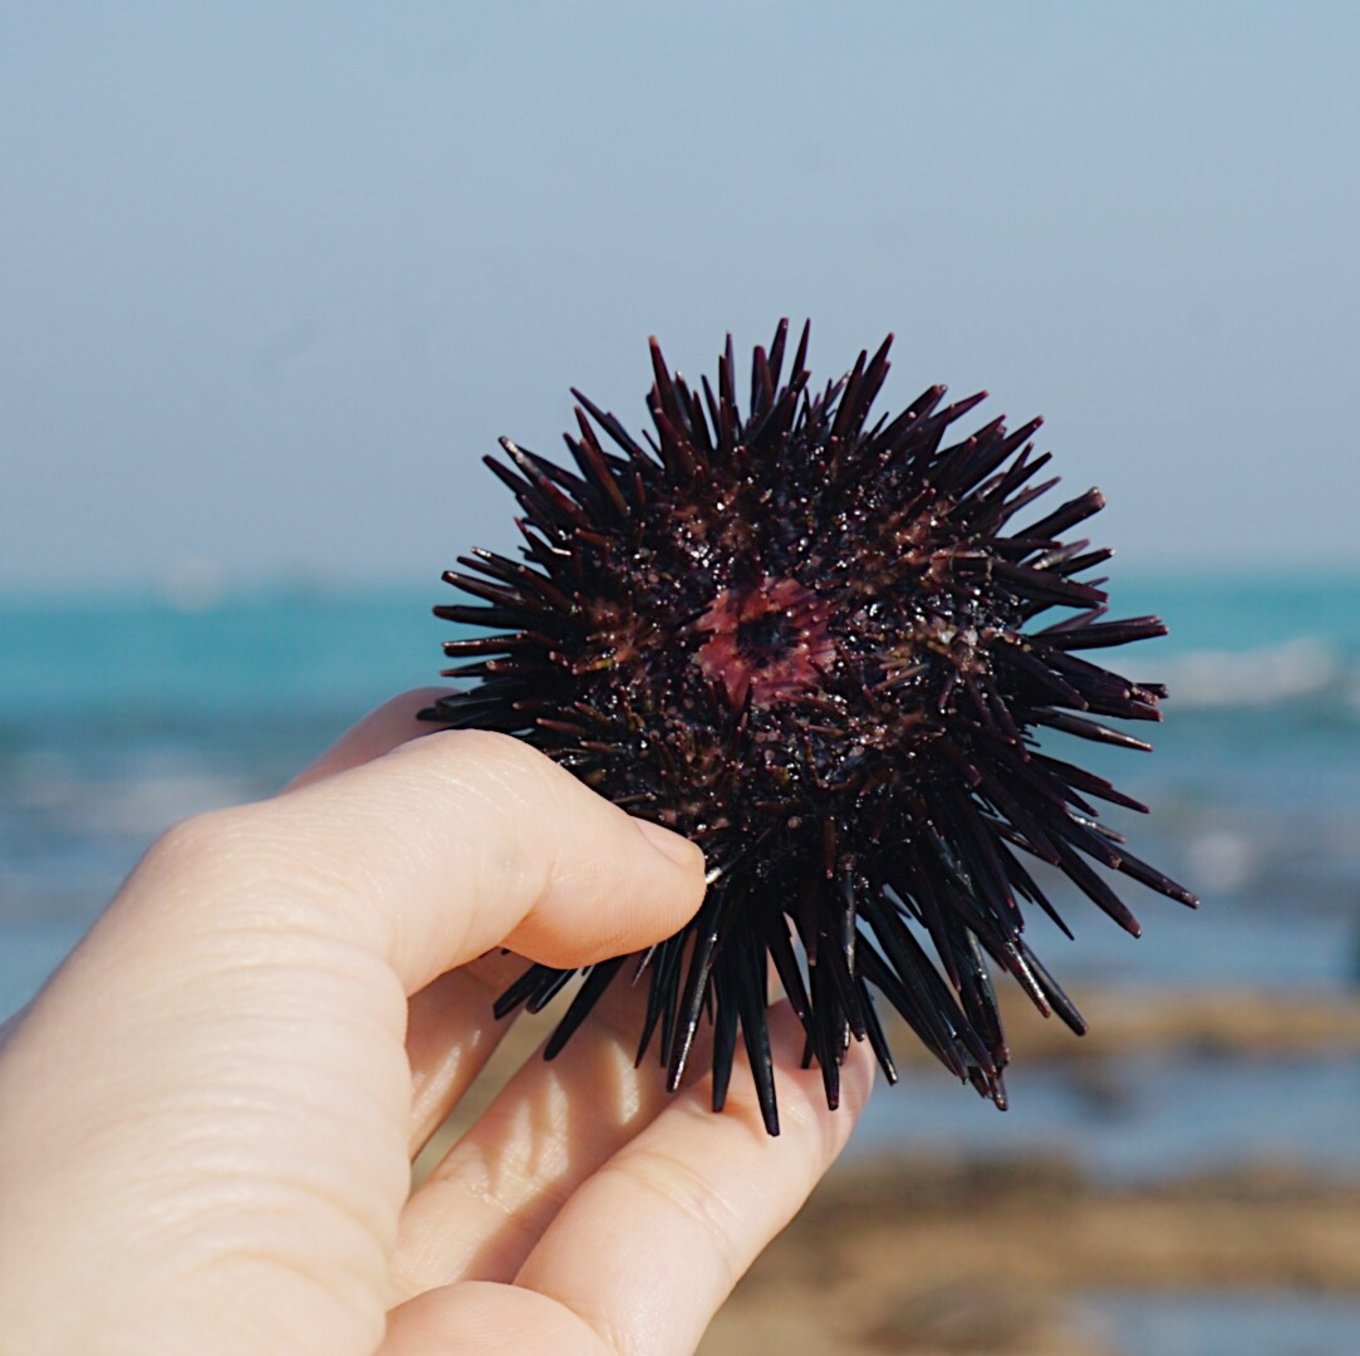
[(1306, 670)]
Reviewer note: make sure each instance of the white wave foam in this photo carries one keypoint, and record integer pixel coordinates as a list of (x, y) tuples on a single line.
[(1292, 671)]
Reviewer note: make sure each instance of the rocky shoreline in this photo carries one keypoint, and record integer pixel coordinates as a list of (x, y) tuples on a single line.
[(917, 1254), (932, 1253)]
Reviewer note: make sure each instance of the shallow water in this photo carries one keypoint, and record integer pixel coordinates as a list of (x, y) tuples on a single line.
[(1226, 1323), (1136, 1119)]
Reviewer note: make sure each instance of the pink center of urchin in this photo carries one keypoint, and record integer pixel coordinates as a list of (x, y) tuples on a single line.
[(765, 643)]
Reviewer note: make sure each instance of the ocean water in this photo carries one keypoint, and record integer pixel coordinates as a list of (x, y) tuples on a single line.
[(121, 714)]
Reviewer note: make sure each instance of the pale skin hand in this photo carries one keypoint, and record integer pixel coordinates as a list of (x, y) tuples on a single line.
[(207, 1118)]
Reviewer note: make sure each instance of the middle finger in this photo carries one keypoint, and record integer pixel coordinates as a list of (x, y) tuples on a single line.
[(485, 1204)]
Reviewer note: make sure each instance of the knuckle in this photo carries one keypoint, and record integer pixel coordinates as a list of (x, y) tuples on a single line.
[(686, 1191), (514, 793), (200, 839)]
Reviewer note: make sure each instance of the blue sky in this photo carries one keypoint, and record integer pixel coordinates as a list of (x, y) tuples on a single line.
[(273, 277)]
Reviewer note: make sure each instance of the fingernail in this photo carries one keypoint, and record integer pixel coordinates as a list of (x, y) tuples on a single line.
[(680, 850)]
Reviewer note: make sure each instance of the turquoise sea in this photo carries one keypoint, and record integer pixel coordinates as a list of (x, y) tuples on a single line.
[(120, 714)]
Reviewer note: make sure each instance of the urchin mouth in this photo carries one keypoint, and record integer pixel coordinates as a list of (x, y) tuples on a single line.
[(766, 640), (766, 644)]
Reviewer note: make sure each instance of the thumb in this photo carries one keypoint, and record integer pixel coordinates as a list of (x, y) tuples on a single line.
[(458, 842)]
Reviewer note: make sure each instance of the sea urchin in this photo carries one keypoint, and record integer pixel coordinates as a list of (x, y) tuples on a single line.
[(808, 642)]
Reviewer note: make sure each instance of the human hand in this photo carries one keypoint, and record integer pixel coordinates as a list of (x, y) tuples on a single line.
[(207, 1117)]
